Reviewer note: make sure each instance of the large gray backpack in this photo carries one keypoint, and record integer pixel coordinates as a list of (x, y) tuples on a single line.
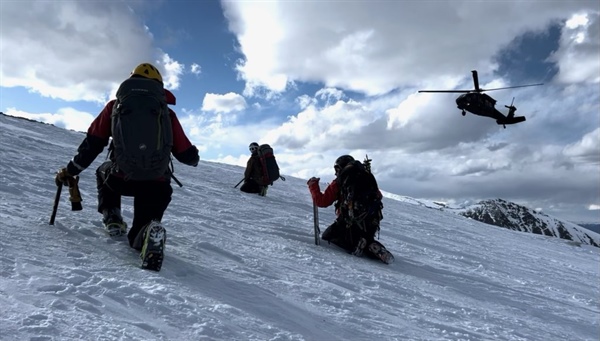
[(141, 130)]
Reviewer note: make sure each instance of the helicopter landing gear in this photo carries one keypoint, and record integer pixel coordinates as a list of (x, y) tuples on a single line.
[(463, 113)]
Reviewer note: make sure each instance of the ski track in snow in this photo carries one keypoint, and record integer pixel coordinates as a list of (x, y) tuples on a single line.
[(244, 267)]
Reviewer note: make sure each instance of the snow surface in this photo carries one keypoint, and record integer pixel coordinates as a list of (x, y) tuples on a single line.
[(244, 267)]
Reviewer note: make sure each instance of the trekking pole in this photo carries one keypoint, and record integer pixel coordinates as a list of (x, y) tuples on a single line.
[(177, 181), (56, 201), (171, 171), (239, 183), (316, 221)]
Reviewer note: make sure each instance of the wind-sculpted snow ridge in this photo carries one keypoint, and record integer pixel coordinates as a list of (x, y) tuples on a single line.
[(244, 267)]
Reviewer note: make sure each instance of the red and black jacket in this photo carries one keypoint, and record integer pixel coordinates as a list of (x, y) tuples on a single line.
[(99, 132), (326, 198)]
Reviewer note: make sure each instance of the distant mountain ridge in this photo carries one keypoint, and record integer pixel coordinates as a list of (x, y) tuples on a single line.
[(512, 216)]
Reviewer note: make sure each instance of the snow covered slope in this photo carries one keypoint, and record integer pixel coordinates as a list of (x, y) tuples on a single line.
[(244, 267)]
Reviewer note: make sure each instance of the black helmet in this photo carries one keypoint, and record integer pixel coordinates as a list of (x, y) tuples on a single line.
[(342, 162)]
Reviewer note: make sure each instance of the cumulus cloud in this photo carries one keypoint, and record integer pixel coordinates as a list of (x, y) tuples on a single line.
[(321, 126), (329, 95), (173, 71), (586, 149), (226, 103), (304, 101), (354, 52), (75, 50), (223, 132), (195, 69), (578, 57)]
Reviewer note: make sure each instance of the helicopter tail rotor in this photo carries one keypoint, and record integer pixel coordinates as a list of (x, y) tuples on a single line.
[(511, 109)]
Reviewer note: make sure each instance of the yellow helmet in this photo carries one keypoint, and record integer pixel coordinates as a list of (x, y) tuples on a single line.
[(147, 70)]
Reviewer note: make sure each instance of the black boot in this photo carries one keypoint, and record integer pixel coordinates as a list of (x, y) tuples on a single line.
[(379, 251), (331, 232), (153, 248), (113, 222)]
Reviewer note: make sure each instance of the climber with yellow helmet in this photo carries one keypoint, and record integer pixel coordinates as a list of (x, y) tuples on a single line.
[(147, 70), (138, 165)]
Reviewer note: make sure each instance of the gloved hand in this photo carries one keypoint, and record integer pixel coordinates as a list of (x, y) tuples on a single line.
[(62, 176), (312, 181), (74, 194)]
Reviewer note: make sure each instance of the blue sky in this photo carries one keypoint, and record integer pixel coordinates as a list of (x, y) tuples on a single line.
[(321, 79)]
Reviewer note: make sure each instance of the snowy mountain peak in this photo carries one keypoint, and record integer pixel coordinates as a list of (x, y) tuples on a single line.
[(512, 216)]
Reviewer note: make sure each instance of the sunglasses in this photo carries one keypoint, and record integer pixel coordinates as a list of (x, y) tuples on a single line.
[(253, 149)]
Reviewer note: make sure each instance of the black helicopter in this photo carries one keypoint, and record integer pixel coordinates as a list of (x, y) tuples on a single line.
[(478, 103)]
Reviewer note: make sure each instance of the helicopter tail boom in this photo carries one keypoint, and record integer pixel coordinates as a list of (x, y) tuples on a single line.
[(511, 120)]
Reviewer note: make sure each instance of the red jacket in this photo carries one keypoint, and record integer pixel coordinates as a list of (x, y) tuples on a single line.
[(99, 132), (326, 198), (331, 195)]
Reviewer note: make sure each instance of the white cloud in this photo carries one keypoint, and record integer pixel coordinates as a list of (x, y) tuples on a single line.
[(578, 56), (222, 132), (305, 100), (195, 69), (67, 118), (226, 103), (75, 50), (375, 49), (587, 149), (173, 71), (260, 53), (321, 126), (329, 95)]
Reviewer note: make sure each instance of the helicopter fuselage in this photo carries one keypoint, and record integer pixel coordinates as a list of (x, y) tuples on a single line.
[(478, 104), (484, 105)]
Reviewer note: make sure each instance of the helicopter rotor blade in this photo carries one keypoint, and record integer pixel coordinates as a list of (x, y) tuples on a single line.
[(455, 91), (513, 87), (476, 80)]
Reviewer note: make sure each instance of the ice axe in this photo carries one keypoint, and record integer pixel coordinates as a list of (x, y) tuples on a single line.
[(56, 201)]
